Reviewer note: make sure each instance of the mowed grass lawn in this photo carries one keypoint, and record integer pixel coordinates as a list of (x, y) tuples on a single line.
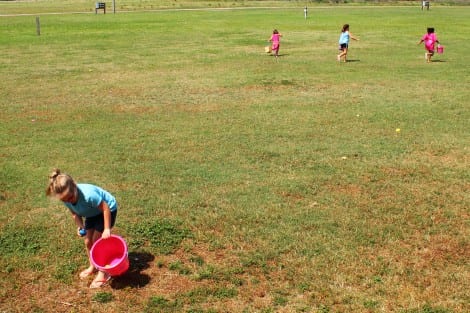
[(245, 183)]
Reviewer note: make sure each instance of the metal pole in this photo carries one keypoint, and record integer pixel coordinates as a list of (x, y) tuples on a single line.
[(114, 6)]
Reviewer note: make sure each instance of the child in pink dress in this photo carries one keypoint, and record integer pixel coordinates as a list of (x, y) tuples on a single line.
[(429, 40), (275, 39)]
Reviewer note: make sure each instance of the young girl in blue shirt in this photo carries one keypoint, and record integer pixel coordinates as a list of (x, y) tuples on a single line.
[(344, 42), (96, 205)]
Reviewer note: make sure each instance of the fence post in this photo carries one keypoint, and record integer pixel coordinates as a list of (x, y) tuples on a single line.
[(38, 26)]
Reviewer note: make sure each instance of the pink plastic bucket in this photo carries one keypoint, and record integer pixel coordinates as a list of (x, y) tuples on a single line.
[(110, 255), (440, 49)]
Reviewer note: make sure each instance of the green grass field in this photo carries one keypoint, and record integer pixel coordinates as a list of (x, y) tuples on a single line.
[(245, 183)]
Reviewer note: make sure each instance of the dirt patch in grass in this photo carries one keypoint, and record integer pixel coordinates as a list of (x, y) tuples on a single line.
[(148, 276)]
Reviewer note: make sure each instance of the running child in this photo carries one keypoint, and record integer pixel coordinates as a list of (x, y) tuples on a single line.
[(429, 40), (344, 43), (275, 39)]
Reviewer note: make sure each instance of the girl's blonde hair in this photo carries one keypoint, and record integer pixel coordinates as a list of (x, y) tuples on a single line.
[(59, 183)]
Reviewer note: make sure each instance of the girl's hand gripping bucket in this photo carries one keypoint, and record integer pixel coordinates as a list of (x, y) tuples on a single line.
[(110, 255), (440, 49)]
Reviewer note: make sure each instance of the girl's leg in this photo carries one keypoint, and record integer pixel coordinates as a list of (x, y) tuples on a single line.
[(343, 54), (101, 278), (430, 54), (275, 49), (88, 244)]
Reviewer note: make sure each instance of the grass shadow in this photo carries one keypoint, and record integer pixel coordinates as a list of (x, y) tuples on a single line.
[(134, 278)]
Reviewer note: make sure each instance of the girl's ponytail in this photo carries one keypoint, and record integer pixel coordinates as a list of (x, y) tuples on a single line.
[(58, 183)]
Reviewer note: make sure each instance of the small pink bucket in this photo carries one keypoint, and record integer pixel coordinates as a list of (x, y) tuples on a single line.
[(440, 49), (110, 255)]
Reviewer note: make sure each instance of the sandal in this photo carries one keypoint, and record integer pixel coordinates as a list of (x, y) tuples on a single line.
[(100, 282), (85, 273)]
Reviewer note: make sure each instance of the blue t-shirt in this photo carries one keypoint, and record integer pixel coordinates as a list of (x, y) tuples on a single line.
[(89, 198), (344, 38)]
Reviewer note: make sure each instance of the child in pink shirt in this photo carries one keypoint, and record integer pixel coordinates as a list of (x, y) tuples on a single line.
[(429, 40), (275, 39)]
